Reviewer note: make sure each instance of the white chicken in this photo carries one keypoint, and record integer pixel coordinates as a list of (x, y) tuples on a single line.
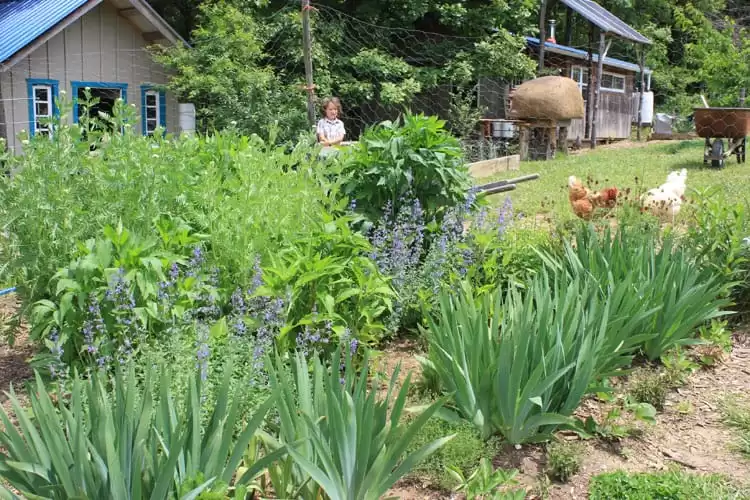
[(666, 200)]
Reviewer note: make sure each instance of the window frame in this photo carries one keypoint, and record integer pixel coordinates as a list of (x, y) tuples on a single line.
[(161, 108), (53, 87), (77, 85), (582, 84)]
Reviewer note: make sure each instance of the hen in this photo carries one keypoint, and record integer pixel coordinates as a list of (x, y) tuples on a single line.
[(584, 201), (666, 200)]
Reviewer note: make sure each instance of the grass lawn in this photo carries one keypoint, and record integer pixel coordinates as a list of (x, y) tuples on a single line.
[(625, 167)]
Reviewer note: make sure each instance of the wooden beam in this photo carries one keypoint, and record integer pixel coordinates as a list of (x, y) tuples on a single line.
[(568, 26), (542, 34), (642, 67), (128, 12), (589, 83), (603, 47)]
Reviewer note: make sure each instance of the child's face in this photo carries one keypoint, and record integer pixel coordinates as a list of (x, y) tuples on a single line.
[(331, 111)]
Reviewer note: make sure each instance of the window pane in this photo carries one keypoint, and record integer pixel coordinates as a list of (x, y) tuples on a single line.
[(42, 108), (151, 113), (150, 100), (41, 93)]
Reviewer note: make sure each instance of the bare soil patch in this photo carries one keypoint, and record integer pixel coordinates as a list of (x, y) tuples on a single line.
[(14, 366)]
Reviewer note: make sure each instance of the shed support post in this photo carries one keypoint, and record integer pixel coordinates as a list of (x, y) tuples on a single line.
[(598, 83), (307, 56), (642, 65)]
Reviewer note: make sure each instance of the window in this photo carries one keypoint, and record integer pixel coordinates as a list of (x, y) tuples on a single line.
[(612, 82), (580, 75), (42, 107), (104, 92), (153, 109)]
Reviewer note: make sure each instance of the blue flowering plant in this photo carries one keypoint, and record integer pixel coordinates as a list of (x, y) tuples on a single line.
[(119, 290)]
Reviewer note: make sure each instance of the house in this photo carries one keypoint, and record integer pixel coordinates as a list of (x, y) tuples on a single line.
[(619, 88), (51, 46)]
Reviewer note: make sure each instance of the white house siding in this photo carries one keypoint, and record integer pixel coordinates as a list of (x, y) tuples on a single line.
[(101, 46)]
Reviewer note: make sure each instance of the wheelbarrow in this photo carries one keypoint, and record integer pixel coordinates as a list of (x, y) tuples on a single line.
[(717, 124)]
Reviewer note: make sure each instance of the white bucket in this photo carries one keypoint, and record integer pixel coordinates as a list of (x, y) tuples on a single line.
[(186, 112)]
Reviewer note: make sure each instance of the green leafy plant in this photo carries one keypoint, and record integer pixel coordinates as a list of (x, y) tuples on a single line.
[(485, 483), (111, 294), (517, 365), (611, 427), (670, 484), (413, 157), (564, 459), (330, 278), (649, 386), (127, 442), (353, 443), (678, 366)]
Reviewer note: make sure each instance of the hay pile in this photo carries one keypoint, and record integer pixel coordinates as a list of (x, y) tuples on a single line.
[(547, 98)]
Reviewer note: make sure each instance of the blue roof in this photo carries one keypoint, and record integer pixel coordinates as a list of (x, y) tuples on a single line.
[(23, 21), (582, 54)]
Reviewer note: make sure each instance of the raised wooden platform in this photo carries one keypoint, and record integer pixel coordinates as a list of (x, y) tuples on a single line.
[(488, 168)]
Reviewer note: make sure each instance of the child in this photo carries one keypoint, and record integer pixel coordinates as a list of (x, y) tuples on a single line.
[(330, 129)]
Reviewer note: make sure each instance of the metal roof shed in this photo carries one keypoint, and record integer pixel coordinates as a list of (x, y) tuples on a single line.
[(607, 24)]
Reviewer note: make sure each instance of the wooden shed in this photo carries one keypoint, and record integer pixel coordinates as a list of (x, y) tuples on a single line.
[(49, 47)]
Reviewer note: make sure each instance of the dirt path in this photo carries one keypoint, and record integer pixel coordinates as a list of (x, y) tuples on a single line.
[(14, 367)]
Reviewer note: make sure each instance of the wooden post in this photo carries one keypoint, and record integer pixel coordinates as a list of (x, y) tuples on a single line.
[(598, 83), (307, 55), (542, 34), (589, 86), (568, 26), (642, 65)]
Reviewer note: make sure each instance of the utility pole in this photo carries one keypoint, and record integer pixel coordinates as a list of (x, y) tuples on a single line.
[(307, 55)]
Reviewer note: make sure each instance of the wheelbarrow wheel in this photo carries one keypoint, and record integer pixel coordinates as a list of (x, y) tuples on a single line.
[(717, 154)]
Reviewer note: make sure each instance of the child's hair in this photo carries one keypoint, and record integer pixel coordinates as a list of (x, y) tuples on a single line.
[(331, 100)]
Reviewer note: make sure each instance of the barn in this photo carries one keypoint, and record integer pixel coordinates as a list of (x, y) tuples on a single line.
[(52, 46)]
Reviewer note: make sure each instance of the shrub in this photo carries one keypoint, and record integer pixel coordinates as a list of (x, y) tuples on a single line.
[(353, 441), (127, 442), (517, 365), (413, 157), (462, 452), (564, 459), (649, 386)]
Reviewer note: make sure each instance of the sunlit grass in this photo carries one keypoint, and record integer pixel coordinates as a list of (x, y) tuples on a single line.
[(624, 167)]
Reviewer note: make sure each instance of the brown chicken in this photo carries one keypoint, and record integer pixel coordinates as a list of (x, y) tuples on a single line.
[(583, 201)]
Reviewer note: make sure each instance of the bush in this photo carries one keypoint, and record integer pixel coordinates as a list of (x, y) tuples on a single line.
[(395, 162), (462, 452), (95, 443), (564, 460), (649, 386)]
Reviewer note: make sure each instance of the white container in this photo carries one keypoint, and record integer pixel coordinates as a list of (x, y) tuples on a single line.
[(186, 112), (647, 108), (503, 129)]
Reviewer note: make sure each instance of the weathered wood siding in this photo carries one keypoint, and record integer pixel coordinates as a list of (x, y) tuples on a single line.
[(101, 46), (616, 117)]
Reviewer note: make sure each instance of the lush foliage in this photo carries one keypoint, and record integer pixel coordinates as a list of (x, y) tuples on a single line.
[(517, 365), (353, 446), (671, 484), (394, 163), (224, 74), (127, 442)]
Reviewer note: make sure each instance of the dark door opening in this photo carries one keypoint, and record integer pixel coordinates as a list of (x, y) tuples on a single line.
[(106, 104)]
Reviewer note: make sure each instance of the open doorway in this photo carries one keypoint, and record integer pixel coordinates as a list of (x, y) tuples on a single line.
[(106, 97)]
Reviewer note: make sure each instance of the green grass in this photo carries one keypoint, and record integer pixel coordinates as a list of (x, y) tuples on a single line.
[(673, 485), (619, 167), (736, 414)]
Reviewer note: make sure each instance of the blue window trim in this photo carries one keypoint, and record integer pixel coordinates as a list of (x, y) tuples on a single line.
[(75, 86), (30, 83), (162, 107)]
